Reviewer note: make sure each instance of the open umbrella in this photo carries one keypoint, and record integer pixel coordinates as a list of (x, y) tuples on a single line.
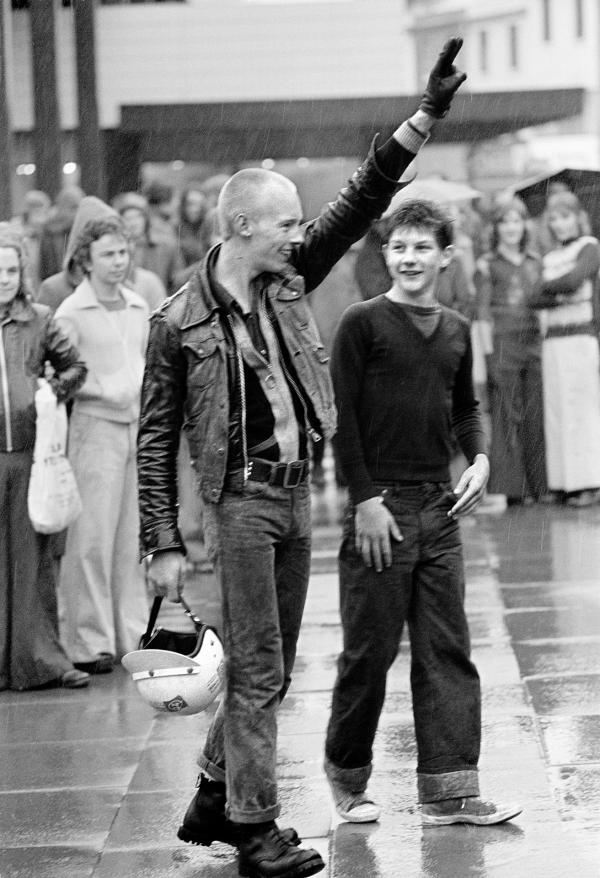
[(433, 189), (584, 182)]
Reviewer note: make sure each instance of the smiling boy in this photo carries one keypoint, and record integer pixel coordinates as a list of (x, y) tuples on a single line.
[(401, 369)]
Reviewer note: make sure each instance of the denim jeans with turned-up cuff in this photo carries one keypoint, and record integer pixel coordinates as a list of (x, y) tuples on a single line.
[(259, 544), (424, 587)]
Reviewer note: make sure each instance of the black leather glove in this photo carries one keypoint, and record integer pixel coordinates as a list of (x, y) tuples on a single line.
[(443, 81)]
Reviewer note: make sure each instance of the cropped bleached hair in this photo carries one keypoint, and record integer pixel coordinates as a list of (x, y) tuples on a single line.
[(246, 192)]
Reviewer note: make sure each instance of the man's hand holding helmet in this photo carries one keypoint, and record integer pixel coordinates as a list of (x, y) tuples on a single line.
[(166, 574)]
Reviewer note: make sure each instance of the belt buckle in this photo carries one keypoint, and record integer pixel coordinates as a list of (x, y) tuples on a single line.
[(295, 468)]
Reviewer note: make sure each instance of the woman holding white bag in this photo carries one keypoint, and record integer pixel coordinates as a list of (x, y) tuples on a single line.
[(30, 651)]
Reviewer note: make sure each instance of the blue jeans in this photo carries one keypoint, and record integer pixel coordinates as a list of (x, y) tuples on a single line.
[(259, 544), (424, 587)]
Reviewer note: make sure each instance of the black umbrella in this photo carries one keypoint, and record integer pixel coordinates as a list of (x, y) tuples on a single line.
[(583, 182)]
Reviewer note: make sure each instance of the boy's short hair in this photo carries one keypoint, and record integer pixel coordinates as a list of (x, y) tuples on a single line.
[(422, 214), (93, 231)]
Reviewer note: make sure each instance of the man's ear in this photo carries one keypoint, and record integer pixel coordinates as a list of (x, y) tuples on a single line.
[(241, 224), (447, 254)]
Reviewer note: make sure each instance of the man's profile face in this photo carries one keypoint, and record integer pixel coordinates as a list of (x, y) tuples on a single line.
[(109, 259), (275, 226), (414, 259)]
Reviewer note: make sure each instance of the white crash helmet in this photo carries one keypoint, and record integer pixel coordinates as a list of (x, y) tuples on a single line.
[(179, 684)]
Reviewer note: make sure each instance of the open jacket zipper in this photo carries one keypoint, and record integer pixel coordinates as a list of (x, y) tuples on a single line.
[(5, 396)]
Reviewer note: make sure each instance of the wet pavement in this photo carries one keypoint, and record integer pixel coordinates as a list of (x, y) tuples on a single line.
[(93, 783)]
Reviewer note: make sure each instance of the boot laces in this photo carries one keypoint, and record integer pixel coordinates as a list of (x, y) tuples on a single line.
[(280, 842)]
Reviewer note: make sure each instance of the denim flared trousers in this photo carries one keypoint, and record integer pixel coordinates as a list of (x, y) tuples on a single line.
[(425, 588), (259, 544)]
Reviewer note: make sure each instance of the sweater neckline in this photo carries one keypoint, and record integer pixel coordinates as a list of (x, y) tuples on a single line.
[(401, 309)]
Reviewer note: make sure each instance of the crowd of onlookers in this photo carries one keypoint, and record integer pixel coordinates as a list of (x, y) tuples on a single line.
[(528, 287), (78, 281)]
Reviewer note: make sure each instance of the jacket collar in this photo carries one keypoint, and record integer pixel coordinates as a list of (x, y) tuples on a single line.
[(86, 297), (201, 301), (20, 310)]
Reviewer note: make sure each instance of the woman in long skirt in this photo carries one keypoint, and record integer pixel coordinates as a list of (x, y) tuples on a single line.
[(570, 354), (507, 280), (31, 654)]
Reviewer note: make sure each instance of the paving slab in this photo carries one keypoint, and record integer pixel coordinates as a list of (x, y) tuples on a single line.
[(564, 655), (93, 784), (568, 694), (571, 740), (38, 818), (59, 861), (103, 762)]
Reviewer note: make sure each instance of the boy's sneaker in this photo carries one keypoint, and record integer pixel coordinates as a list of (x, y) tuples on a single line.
[(353, 806), (469, 809)]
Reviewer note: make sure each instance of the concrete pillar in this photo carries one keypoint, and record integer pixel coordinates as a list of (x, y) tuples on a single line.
[(91, 144), (6, 165), (47, 132)]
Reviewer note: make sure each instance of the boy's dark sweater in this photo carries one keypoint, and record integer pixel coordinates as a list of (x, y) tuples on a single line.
[(402, 397)]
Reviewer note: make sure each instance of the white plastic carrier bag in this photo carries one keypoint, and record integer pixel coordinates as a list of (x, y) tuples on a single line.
[(53, 499)]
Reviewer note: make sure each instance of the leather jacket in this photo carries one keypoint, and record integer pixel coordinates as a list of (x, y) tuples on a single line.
[(29, 337), (190, 351)]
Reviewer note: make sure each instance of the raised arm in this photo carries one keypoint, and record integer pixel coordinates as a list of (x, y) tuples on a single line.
[(373, 184)]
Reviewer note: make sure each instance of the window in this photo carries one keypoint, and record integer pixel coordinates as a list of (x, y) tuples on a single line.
[(25, 4), (483, 51), (578, 18), (546, 24), (513, 46), (128, 2)]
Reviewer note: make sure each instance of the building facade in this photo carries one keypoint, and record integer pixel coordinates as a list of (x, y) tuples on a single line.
[(227, 82)]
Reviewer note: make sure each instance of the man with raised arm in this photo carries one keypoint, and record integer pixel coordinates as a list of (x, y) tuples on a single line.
[(234, 357)]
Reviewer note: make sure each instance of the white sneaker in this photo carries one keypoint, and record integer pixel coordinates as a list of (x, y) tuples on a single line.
[(470, 809), (355, 807)]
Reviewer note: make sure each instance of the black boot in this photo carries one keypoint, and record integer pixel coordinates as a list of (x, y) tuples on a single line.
[(205, 819), (266, 852)]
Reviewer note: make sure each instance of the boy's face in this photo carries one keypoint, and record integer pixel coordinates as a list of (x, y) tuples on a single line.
[(109, 259), (414, 259)]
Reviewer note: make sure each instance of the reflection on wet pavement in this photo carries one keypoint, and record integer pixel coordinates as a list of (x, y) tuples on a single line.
[(92, 783)]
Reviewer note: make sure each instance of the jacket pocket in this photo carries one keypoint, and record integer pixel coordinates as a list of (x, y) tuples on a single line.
[(202, 356)]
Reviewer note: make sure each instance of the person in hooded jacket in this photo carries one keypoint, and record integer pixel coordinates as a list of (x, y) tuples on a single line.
[(56, 232), (55, 289), (151, 249), (102, 591), (30, 651)]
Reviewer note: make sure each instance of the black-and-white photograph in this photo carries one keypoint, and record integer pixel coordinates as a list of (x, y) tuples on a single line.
[(299, 438)]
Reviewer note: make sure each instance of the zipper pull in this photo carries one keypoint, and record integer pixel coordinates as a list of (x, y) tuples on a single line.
[(316, 437)]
